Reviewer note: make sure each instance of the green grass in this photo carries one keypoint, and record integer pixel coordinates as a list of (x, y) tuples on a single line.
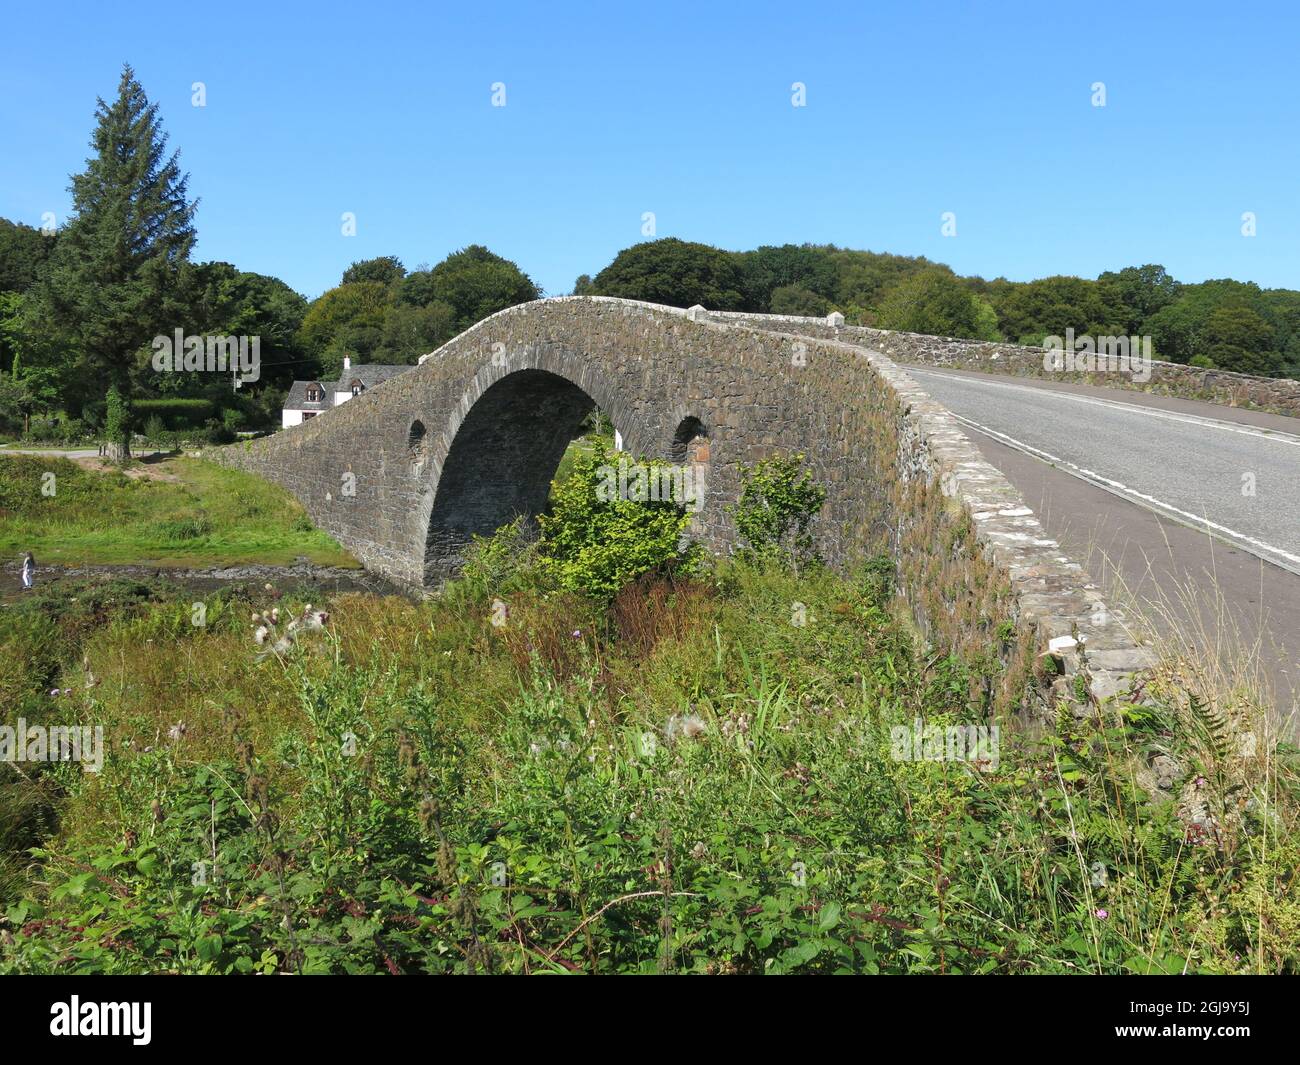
[(208, 516), (418, 789)]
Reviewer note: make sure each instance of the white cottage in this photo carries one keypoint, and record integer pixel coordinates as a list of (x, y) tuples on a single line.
[(306, 399)]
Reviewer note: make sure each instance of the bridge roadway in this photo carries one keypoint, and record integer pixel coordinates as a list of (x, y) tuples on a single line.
[(1157, 496)]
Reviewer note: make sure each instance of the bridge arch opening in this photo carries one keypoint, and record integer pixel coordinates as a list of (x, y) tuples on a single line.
[(501, 462), (417, 443), (690, 441)]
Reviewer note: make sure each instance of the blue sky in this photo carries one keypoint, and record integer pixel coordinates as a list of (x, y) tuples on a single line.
[(684, 110)]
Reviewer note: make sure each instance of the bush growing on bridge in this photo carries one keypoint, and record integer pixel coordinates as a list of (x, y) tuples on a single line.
[(595, 544), (778, 502)]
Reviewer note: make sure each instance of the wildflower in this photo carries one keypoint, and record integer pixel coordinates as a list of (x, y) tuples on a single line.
[(684, 726), (177, 732), (577, 633), (1101, 914)]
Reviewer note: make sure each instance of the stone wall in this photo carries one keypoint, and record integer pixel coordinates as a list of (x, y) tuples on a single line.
[(1276, 395), (404, 474)]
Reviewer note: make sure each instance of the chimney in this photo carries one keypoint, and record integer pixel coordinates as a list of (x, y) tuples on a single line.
[(347, 363)]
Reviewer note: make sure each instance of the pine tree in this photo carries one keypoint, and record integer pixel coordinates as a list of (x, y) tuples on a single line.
[(119, 274)]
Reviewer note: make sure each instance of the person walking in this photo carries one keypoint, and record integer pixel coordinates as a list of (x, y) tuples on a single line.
[(29, 571)]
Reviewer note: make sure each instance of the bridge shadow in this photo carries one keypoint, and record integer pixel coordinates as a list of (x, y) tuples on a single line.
[(501, 462)]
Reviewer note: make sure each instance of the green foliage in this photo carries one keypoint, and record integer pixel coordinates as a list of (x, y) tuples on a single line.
[(174, 413), (804, 275), (933, 301), (1236, 338), (117, 419), (778, 501), (348, 320), (595, 542), (380, 313), (117, 276), (23, 252), (371, 813), (675, 272), (476, 283), (799, 301), (226, 301), (15, 403), (387, 270)]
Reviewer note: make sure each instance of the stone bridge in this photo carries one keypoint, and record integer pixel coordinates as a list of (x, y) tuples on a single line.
[(405, 474)]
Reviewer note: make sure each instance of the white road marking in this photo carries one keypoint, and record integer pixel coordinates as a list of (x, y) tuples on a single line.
[(1261, 548), (1276, 436)]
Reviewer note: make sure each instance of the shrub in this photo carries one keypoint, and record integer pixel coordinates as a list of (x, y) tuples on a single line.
[(778, 502), (595, 543)]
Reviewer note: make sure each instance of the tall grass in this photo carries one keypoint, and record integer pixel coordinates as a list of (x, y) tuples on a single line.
[(696, 777)]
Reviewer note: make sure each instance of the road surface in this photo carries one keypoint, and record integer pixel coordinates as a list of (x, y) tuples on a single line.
[(1190, 509)]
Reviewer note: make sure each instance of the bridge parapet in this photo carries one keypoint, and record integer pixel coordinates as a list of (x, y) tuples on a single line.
[(1277, 395)]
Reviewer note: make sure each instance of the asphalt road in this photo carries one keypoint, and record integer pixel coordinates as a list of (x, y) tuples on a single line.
[(1188, 509)]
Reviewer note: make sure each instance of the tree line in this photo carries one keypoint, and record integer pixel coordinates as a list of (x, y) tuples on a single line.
[(1234, 325), (80, 305)]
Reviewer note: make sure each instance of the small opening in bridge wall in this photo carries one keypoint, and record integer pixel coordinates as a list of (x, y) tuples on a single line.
[(691, 441), (415, 442)]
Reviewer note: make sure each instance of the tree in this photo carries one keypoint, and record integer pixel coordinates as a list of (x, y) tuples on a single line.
[(863, 276), (118, 273), (23, 251), (475, 283), (232, 302), (411, 331), (15, 403), (779, 500), (674, 272), (768, 269), (596, 542), (933, 301), (1141, 291), (799, 301), (1180, 330), (387, 269), (1236, 338), (1049, 306), (11, 316), (348, 320)]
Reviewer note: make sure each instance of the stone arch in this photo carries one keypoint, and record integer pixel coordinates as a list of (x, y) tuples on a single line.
[(690, 441), (417, 443), (502, 450)]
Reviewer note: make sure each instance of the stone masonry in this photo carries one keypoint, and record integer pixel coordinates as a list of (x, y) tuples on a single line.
[(405, 474)]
